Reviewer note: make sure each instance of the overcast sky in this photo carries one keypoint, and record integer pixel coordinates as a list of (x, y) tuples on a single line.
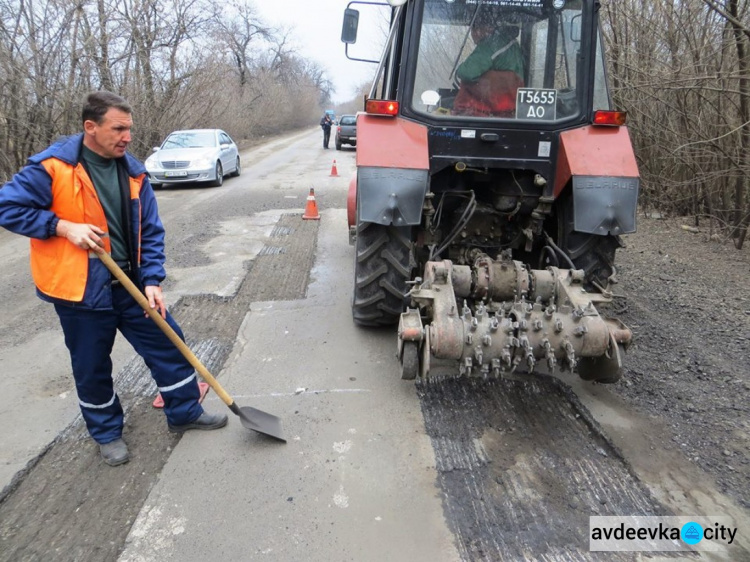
[(316, 35)]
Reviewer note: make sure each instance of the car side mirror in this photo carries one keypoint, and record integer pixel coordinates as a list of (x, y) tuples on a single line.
[(156, 148), (350, 25)]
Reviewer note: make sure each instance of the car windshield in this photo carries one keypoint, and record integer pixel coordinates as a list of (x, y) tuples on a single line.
[(509, 59), (190, 140), (349, 120)]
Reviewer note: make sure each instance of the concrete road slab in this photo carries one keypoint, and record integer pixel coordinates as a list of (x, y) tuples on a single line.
[(356, 480)]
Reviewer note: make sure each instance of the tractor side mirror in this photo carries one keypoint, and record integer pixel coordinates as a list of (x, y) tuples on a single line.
[(349, 27)]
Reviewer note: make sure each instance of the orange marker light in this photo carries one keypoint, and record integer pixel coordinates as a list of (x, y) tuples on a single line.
[(610, 118), (381, 107)]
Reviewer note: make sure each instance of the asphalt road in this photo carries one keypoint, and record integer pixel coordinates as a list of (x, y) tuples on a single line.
[(373, 469)]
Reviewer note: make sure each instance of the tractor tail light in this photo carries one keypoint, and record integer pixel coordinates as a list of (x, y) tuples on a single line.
[(381, 107), (610, 118)]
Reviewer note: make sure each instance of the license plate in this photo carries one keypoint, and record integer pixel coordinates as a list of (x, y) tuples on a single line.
[(538, 104), (175, 173)]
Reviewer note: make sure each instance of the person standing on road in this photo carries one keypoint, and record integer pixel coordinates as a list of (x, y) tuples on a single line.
[(86, 195), (326, 123)]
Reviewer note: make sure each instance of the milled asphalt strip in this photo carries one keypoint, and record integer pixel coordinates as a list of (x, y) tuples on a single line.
[(523, 466)]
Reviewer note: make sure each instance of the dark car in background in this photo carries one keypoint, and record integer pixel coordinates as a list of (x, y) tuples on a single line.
[(346, 131)]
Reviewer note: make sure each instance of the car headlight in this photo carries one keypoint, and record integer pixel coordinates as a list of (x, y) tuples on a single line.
[(151, 162), (203, 162)]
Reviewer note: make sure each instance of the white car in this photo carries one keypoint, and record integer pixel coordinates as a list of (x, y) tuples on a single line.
[(194, 155)]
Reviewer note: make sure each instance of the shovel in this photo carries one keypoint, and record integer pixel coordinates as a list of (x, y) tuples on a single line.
[(251, 418)]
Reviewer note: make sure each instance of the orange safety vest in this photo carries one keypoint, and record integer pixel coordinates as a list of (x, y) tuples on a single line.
[(60, 269)]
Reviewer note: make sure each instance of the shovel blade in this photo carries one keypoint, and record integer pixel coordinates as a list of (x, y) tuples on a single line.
[(259, 421)]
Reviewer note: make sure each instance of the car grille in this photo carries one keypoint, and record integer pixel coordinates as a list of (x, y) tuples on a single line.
[(175, 164)]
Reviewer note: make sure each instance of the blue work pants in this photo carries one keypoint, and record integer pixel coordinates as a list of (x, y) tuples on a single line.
[(90, 335)]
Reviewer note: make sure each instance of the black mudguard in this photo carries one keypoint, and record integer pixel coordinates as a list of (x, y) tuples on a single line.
[(605, 205), (391, 196)]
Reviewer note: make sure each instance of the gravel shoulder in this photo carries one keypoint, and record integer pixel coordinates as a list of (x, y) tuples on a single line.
[(688, 304)]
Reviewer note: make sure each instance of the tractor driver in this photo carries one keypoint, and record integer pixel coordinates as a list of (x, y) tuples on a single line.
[(491, 74)]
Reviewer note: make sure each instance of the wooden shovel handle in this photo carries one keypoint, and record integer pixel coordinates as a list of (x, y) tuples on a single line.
[(165, 327)]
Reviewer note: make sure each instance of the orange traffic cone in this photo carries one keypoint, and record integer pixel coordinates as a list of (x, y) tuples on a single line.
[(334, 171), (311, 210)]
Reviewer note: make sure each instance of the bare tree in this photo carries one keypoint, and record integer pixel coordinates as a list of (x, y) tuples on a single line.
[(680, 68), (238, 29), (165, 56)]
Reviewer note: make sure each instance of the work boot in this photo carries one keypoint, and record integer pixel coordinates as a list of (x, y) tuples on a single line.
[(115, 452), (204, 421)]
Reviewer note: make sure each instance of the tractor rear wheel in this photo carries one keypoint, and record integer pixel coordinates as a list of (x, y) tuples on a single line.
[(592, 253), (383, 264)]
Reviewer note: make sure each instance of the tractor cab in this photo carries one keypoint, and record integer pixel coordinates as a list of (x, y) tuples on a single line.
[(526, 63), (530, 63)]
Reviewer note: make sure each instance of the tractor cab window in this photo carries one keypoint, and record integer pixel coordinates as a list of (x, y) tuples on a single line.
[(501, 59)]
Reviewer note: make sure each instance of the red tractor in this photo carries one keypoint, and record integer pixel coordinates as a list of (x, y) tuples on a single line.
[(494, 180)]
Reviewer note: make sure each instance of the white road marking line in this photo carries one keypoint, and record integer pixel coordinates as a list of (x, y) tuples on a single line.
[(285, 394)]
